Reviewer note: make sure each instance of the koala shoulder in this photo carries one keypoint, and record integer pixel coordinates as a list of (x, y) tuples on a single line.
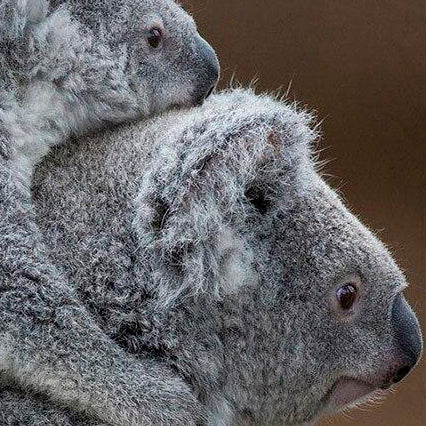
[(26, 410)]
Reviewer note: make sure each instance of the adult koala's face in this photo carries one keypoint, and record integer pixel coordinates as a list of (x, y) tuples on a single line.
[(167, 62), (311, 304), (346, 329)]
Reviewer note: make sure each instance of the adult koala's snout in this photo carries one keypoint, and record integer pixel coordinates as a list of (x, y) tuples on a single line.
[(208, 71), (408, 340), (399, 356)]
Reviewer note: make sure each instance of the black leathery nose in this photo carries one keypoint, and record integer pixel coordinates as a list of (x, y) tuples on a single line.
[(209, 92), (207, 71), (401, 373), (407, 332)]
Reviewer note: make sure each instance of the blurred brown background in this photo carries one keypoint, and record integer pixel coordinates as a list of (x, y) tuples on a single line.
[(362, 66)]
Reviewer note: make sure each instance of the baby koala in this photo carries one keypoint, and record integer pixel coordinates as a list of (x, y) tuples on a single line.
[(71, 66), (67, 68)]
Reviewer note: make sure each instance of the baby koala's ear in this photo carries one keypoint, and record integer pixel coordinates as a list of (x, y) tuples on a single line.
[(35, 10), (17, 15)]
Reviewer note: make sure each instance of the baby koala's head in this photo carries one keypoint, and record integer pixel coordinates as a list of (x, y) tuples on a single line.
[(166, 60), (99, 62)]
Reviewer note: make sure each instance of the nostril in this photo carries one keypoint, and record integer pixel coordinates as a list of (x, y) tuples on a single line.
[(401, 373), (204, 95), (209, 92)]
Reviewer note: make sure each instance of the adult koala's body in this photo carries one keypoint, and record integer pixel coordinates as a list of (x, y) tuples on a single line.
[(215, 246), (68, 67)]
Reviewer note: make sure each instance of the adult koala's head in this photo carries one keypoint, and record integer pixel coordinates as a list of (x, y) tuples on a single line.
[(309, 303), (167, 61)]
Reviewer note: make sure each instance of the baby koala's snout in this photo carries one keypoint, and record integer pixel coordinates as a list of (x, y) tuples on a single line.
[(408, 339), (208, 71)]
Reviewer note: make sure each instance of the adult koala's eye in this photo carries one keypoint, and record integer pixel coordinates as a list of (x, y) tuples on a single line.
[(155, 38), (347, 296)]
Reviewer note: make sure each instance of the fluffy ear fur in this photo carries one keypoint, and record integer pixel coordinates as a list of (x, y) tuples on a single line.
[(194, 189), (16, 17)]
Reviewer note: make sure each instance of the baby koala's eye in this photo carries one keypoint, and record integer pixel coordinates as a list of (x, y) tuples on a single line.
[(347, 295), (155, 38)]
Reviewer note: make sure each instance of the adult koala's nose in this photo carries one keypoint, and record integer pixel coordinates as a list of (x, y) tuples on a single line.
[(408, 339), (208, 71)]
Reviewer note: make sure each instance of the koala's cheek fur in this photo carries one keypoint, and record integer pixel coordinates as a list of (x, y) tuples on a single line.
[(208, 238)]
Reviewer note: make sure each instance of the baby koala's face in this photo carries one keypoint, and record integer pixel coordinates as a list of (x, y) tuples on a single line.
[(167, 62)]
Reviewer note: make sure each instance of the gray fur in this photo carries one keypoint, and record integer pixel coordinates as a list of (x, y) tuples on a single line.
[(82, 64), (67, 68), (16, 409), (208, 241)]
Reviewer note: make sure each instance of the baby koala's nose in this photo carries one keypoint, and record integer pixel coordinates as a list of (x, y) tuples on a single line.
[(208, 71)]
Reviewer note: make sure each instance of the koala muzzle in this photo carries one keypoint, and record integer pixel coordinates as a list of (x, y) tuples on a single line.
[(208, 71), (408, 338)]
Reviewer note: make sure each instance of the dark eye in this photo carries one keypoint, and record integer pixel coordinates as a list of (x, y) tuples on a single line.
[(347, 296), (155, 38)]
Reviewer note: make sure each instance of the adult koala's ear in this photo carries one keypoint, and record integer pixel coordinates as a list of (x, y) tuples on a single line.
[(192, 206)]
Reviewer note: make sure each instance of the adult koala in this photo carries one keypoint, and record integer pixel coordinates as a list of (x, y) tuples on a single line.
[(67, 68), (208, 240)]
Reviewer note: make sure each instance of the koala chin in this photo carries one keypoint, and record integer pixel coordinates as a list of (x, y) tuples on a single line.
[(209, 240)]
